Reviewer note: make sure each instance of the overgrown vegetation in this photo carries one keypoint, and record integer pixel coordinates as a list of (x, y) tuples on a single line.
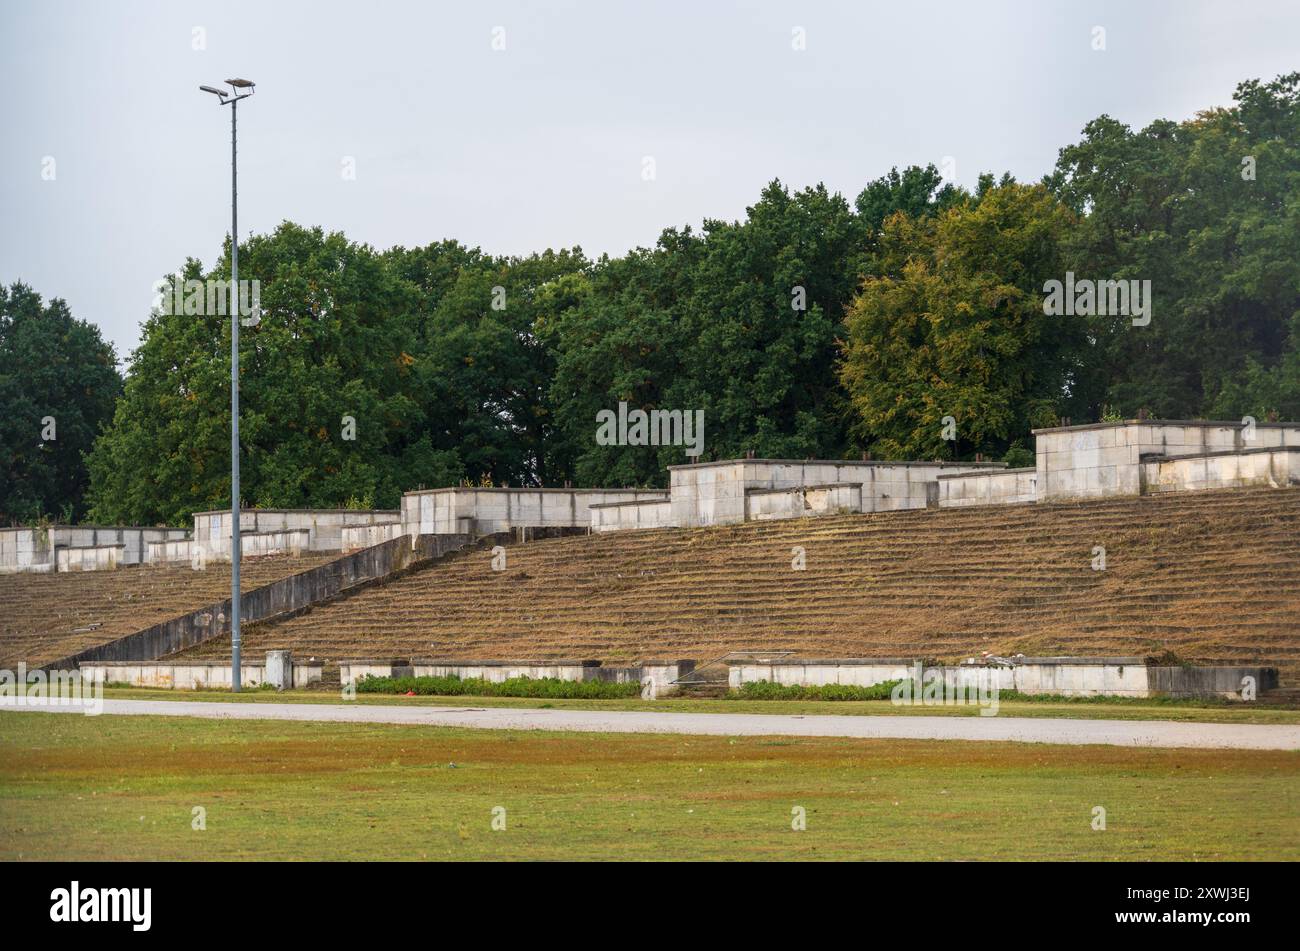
[(58, 386), (767, 690), (549, 688)]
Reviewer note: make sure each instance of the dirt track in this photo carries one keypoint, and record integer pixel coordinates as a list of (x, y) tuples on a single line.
[(1147, 733)]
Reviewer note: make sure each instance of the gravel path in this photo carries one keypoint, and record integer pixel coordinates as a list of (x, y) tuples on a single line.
[(1156, 733)]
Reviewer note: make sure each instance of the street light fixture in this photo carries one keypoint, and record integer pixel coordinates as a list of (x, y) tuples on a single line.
[(231, 98)]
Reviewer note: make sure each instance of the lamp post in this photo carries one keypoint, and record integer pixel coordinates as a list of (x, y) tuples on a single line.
[(239, 89)]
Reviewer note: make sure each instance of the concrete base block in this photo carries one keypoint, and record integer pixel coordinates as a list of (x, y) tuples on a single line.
[(279, 669)]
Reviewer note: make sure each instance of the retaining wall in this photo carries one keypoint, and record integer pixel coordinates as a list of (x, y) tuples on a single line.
[(1067, 676), (803, 502), (647, 513), (161, 553), (99, 558), (714, 493), (191, 675), (661, 673), (34, 549), (363, 536)]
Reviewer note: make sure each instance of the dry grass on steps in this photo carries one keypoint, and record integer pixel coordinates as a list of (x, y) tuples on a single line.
[(44, 617), (1208, 576)]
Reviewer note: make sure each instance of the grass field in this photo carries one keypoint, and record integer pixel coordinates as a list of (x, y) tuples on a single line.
[(112, 788), (1107, 708)]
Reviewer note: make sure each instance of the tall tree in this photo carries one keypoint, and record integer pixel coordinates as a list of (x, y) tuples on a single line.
[(484, 355), (58, 382), (328, 409), (739, 322), (1208, 211), (955, 328)]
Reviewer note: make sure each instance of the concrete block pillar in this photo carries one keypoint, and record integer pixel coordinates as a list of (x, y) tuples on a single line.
[(279, 669)]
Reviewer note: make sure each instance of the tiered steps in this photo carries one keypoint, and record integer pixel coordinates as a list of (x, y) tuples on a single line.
[(1208, 576), (45, 617)]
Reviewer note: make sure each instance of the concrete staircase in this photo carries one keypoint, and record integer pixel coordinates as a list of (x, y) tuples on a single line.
[(1205, 575), (44, 617)]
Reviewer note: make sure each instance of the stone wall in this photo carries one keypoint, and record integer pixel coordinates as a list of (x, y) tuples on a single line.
[(487, 511), (647, 513), (98, 558), (1002, 487), (714, 493), (291, 542), (1105, 459), (1065, 676), (363, 536), (1272, 468), (26, 549), (661, 673), (803, 502), (191, 675), (324, 527), (34, 549), (161, 553)]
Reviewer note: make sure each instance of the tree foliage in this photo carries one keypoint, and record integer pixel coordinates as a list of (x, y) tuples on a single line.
[(1208, 210), (812, 326), (57, 377), (954, 328)]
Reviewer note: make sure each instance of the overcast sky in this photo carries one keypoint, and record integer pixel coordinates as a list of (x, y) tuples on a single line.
[(543, 143)]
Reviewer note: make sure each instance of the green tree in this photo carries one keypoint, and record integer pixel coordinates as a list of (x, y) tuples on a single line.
[(619, 337), (1208, 211), (54, 370), (955, 328), (484, 356), (335, 339), (739, 321)]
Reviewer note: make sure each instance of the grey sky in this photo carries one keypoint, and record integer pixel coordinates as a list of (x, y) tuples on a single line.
[(541, 144)]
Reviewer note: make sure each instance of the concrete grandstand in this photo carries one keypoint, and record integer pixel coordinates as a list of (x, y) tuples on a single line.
[(933, 560)]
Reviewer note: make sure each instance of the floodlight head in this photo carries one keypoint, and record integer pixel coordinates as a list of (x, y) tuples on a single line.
[(216, 92), (240, 83)]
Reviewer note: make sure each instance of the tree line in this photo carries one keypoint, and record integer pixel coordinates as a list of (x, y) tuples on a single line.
[(815, 326)]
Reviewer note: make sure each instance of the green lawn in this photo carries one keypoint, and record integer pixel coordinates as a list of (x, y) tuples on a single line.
[(75, 787), (1106, 709)]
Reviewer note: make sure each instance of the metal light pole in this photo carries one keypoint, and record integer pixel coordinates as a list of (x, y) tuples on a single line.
[(232, 99)]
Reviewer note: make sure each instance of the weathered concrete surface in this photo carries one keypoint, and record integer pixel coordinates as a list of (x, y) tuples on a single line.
[(714, 493), (486, 511), (1066, 676), (1273, 468), (198, 675), (94, 558), (1077, 462), (643, 513), (35, 549), (280, 669), (803, 501), (363, 536), (661, 673), (1005, 487), (324, 527), (1139, 733)]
